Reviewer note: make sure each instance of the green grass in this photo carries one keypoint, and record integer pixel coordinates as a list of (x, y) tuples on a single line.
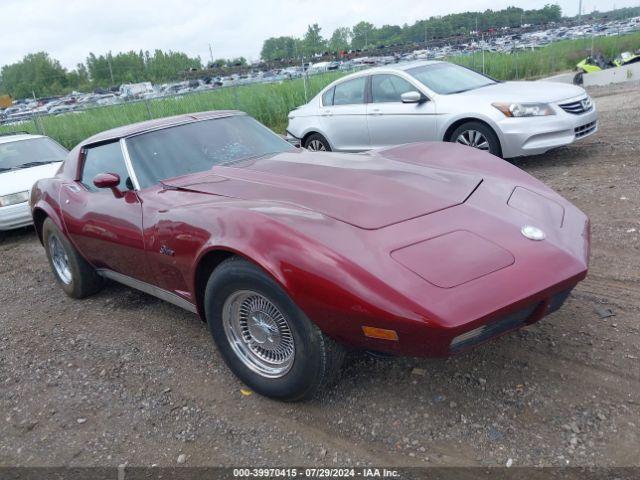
[(270, 103)]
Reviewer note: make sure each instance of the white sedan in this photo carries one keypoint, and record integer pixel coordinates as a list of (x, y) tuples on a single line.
[(24, 159), (440, 101)]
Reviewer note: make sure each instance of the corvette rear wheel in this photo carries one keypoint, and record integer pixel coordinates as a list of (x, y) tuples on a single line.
[(317, 143), (477, 135), (264, 338), (77, 278)]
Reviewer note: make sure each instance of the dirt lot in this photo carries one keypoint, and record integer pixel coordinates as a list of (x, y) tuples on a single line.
[(123, 378)]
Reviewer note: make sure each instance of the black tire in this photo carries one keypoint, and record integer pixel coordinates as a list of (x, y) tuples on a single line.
[(578, 78), (84, 279), (316, 359), (488, 133), (316, 142)]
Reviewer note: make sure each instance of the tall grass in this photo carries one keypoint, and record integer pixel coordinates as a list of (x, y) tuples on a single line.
[(555, 57), (270, 103)]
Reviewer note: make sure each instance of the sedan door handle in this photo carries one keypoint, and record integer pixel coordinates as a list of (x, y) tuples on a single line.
[(376, 111), (327, 113)]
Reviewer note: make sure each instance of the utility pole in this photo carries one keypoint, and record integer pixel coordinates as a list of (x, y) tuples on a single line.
[(579, 9), (211, 54), (110, 70)]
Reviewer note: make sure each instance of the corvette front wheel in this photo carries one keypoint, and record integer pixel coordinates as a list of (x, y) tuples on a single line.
[(264, 338), (77, 278)]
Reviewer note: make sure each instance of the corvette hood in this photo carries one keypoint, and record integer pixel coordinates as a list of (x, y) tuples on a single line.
[(367, 191)]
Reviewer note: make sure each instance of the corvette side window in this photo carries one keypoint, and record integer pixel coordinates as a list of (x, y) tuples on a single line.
[(389, 88), (105, 159), (350, 92)]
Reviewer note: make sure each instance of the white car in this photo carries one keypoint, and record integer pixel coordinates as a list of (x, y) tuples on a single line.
[(24, 159), (440, 101)]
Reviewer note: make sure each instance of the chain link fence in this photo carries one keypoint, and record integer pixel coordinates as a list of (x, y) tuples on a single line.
[(267, 102)]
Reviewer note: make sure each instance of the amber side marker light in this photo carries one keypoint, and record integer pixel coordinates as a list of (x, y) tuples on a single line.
[(381, 333)]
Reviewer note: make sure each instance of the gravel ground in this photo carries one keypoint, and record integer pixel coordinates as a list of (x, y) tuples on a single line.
[(123, 378)]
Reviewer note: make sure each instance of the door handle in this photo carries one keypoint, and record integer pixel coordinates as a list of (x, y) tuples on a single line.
[(327, 113), (376, 111)]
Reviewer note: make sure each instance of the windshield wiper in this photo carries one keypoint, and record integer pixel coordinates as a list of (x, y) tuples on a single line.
[(34, 164), (6, 169), (467, 89)]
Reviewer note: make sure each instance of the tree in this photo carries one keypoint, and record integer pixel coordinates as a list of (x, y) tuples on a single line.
[(36, 73), (312, 41), (340, 40), (362, 35), (276, 48)]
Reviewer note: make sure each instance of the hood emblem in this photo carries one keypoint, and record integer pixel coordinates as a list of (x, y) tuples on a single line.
[(533, 233)]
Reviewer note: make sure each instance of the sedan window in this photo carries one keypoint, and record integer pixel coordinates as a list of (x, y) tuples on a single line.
[(199, 146), (389, 88), (350, 92), (327, 97), (447, 78), (105, 159), (29, 153)]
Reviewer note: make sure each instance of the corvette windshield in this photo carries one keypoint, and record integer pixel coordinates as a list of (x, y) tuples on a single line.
[(30, 153), (447, 78), (199, 146)]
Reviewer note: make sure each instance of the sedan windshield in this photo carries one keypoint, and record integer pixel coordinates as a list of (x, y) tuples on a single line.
[(199, 146), (29, 153), (447, 78)]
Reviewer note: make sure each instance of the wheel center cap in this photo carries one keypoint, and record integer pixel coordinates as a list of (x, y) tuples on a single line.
[(260, 329)]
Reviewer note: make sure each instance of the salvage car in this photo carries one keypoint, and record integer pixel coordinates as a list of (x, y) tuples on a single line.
[(292, 256), (24, 159), (440, 101)]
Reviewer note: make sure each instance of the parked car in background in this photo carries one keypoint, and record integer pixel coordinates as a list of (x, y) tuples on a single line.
[(426, 249), (24, 159), (440, 101)]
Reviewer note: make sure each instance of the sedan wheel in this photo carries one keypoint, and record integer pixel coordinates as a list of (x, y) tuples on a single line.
[(473, 138), (258, 333), (317, 143), (478, 135), (316, 146)]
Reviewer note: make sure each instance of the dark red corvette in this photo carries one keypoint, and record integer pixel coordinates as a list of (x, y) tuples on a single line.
[(423, 249)]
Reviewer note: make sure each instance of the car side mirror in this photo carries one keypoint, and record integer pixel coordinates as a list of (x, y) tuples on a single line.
[(110, 181), (413, 97)]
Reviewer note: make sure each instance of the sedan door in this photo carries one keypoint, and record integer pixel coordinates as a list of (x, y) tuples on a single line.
[(106, 228), (392, 122), (345, 116)]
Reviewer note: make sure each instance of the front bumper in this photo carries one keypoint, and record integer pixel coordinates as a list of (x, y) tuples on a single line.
[(536, 135), (15, 216)]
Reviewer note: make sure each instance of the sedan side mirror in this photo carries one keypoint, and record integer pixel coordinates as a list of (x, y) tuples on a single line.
[(108, 180), (413, 97)]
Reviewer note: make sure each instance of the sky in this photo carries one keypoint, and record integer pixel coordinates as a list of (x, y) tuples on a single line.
[(70, 29)]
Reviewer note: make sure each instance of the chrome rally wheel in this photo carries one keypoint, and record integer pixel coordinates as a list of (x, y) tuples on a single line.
[(258, 333), (60, 259)]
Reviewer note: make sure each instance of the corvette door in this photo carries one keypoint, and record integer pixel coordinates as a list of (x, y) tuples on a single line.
[(106, 228), (392, 122), (345, 119)]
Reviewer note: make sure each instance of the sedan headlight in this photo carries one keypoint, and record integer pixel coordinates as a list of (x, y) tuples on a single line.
[(14, 198), (524, 109)]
